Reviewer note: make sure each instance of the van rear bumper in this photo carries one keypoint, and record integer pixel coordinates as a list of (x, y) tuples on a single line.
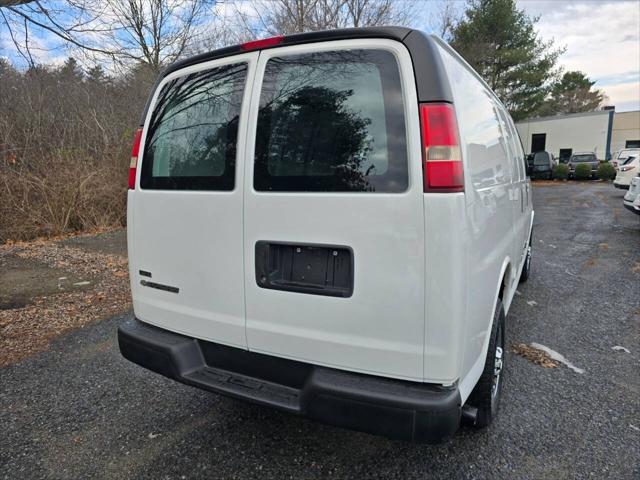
[(393, 408)]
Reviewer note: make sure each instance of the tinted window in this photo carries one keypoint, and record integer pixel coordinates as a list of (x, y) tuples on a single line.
[(583, 158), (333, 122), (519, 150), (191, 139), (513, 143), (541, 158)]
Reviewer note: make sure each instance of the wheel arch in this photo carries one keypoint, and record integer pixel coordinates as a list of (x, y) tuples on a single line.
[(468, 383)]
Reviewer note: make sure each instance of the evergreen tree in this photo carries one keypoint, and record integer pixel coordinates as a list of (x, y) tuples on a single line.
[(97, 75), (500, 42), (70, 71), (573, 93)]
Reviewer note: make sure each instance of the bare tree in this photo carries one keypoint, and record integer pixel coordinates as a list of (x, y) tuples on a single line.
[(154, 32), (444, 15), (273, 17), (364, 13)]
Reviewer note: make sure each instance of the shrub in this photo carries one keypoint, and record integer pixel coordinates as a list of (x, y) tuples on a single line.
[(561, 171), (606, 171), (65, 137), (583, 171)]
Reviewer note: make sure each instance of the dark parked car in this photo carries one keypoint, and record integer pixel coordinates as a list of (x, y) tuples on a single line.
[(586, 157), (541, 165)]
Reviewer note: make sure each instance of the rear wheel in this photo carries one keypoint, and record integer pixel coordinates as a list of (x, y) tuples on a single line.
[(486, 394)]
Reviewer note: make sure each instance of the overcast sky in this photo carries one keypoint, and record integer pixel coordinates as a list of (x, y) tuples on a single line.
[(602, 39)]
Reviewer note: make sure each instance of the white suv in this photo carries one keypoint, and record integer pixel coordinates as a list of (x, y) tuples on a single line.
[(333, 224), (626, 171)]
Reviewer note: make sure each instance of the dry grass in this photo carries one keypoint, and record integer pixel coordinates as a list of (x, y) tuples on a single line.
[(28, 330)]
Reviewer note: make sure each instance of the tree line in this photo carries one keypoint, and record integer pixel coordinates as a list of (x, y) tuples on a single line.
[(65, 130)]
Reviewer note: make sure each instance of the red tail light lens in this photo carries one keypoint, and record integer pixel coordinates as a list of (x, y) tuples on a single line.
[(263, 43), (135, 150), (443, 170)]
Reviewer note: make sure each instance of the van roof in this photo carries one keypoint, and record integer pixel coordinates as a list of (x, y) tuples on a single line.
[(431, 81)]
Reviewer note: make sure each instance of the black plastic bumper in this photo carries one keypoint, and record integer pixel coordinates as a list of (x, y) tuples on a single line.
[(393, 408)]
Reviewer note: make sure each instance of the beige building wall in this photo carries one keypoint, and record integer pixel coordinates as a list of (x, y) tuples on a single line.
[(580, 132), (626, 127)]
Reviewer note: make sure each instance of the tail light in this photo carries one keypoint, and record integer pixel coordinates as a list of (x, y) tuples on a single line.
[(442, 158), (135, 150), (263, 43)]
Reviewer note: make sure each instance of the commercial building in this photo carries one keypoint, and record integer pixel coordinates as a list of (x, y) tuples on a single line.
[(626, 130), (602, 132)]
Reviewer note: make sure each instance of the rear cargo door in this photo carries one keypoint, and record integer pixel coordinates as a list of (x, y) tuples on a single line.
[(334, 229), (185, 233)]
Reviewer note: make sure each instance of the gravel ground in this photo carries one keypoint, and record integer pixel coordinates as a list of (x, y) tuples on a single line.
[(79, 410), (48, 288)]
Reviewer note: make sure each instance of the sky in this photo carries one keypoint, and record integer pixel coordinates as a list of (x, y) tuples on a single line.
[(601, 38)]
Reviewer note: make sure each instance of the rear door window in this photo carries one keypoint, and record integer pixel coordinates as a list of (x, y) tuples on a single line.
[(541, 158), (331, 122), (192, 135)]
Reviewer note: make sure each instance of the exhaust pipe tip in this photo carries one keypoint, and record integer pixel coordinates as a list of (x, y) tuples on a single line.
[(469, 414)]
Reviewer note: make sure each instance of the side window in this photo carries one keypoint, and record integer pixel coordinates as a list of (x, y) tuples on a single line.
[(331, 121), (518, 152), (192, 135), (486, 159), (522, 160), (516, 167)]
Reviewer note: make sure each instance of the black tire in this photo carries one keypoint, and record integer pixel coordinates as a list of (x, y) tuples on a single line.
[(526, 269), (485, 397)]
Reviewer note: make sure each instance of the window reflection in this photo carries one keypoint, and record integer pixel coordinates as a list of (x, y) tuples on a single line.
[(331, 121), (191, 140)]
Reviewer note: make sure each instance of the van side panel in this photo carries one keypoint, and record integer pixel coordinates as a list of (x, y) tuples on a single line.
[(489, 195), (445, 283)]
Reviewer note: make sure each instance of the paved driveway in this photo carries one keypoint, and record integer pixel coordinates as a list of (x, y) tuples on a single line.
[(79, 410)]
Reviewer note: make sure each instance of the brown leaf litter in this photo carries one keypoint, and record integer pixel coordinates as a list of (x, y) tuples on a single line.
[(28, 330), (534, 355)]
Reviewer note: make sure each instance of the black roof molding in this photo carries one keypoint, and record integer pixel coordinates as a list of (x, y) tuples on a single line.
[(395, 33), (431, 82), (431, 79)]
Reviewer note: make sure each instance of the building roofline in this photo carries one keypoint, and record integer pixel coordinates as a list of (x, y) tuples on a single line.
[(567, 115)]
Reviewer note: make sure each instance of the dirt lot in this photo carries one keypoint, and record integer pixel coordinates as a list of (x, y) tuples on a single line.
[(79, 410), (50, 287)]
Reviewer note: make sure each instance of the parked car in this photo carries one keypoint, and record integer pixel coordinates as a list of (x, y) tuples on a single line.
[(636, 205), (583, 157), (626, 172), (541, 165), (631, 199), (621, 156), (333, 224)]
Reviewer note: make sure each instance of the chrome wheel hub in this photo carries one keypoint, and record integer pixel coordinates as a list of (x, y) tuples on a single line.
[(497, 371)]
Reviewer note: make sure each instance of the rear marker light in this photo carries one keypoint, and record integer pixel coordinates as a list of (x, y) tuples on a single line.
[(442, 157), (263, 43), (135, 150)]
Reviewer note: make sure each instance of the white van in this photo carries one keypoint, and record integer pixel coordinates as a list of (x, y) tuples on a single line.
[(333, 224)]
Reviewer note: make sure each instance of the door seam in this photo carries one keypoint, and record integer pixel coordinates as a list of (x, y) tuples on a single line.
[(250, 93)]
